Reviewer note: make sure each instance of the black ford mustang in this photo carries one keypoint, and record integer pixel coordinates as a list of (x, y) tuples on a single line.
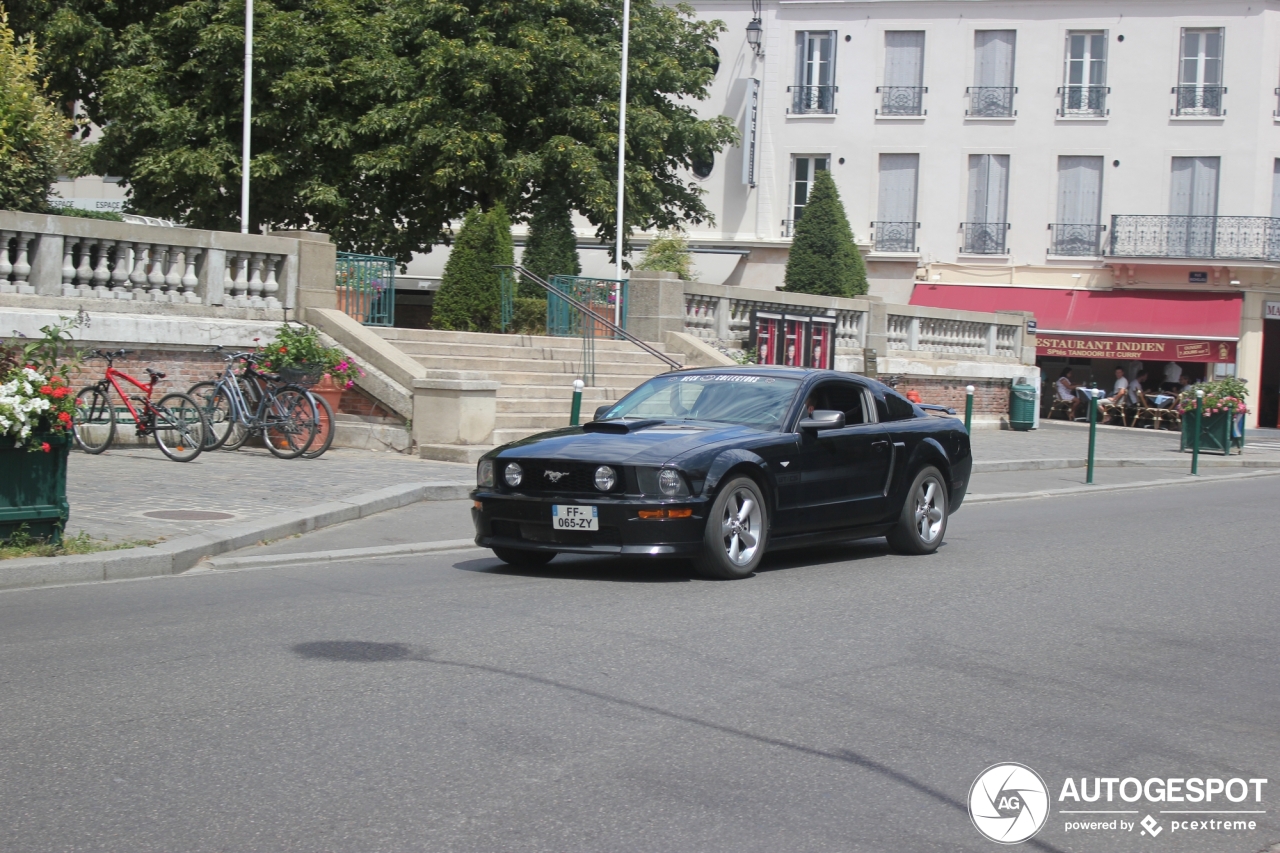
[(720, 464)]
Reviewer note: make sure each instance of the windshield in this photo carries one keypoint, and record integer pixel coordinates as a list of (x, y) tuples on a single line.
[(731, 398)]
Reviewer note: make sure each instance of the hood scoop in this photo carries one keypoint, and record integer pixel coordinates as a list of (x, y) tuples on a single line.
[(620, 426)]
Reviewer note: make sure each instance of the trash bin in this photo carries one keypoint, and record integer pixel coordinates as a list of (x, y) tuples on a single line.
[(1022, 406)]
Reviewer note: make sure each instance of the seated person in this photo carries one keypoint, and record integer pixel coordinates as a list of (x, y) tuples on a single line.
[(1136, 388), (1067, 391), (1119, 393)]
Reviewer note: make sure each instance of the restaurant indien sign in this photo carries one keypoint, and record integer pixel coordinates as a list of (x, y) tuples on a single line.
[(1144, 349)]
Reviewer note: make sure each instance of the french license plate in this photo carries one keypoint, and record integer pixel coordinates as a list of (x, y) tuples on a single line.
[(571, 517)]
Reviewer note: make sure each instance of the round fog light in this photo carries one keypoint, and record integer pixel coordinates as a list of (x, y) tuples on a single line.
[(513, 474), (606, 478), (669, 482)]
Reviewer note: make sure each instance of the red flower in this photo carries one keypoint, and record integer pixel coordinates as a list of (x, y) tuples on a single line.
[(65, 417), (46, 389), (59, 393), (284, 349), (45, 446)]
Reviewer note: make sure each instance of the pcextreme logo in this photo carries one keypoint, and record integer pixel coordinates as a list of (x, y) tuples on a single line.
[(1008, 803)]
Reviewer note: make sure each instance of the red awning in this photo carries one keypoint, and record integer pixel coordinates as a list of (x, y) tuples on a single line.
[(1155, 325)]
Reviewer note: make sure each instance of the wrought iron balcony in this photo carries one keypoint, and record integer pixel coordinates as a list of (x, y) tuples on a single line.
[(895, 236), (901, 100), (813, 100), (1076, 241), (1227, 238), (1084, 101), (788, 227), (1199, 100), (991, 101), (984, 238)]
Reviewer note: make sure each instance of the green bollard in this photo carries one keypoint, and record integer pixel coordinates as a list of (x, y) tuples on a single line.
[(1093, 435), (1195, 438), (575, 411), (968, 408)]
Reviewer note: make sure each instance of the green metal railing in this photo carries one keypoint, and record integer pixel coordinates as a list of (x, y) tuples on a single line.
[(367, 288), (594, 315), (606, 297)]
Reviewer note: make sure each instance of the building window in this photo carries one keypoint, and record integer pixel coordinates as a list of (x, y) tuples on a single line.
[(1193, 207), (1085, 90), (895, 227), (903, 91), (984, 233), (803, 171), (1199, 91), (991, 95), (1078, 229), (814, 90), (1275, 189)]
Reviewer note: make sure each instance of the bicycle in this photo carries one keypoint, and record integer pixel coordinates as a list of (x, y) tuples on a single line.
[(176, 422), (239, 405)]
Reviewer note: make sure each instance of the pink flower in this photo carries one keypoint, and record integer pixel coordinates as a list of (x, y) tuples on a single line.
[(348, 385), (44, 445)]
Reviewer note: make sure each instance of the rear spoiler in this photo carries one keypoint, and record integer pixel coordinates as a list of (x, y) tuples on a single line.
[(929, 407)]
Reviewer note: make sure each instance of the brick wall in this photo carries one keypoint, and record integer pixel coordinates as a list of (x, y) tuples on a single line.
[(990, 396)]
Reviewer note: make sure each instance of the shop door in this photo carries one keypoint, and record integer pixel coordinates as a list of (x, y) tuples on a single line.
[(1269, 395)]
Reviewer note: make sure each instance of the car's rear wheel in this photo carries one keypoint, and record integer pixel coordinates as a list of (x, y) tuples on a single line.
[(737, 527), (524, 559), (923, 521)]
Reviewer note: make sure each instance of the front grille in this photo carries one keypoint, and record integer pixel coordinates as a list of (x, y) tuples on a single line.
[(578, 478)]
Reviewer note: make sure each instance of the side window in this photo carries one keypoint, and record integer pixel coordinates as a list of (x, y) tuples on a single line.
[(844, 397), (899, 408)]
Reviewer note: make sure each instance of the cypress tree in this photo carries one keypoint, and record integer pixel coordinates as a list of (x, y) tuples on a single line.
[(552, 248), (824, 259), (469, 298)]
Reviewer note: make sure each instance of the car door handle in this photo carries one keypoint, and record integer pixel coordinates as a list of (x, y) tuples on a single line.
[(879, 444)]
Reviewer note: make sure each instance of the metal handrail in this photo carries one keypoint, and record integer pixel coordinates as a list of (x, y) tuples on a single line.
[(584, 309)]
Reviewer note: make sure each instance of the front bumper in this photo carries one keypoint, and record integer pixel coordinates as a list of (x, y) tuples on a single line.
[(524, 522)]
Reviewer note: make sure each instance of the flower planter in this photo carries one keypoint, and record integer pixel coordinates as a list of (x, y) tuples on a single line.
[(33, 488), (1220, 432), (332, 394)]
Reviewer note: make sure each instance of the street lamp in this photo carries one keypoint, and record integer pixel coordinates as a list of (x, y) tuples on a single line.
[(248, 112), (622, 129), (755, 29)]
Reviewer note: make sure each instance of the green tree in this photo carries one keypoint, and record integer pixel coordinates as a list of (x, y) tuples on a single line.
[(34, 136), (824, 258), (668, 252), (469, 298), (382, 121), (552, 248)]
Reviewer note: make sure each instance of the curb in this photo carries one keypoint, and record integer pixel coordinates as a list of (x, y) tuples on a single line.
[(1117, 487), (270, 561), (171, 558), (1153, 462)]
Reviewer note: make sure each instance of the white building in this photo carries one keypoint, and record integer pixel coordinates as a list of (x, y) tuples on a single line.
[(1002, 154)]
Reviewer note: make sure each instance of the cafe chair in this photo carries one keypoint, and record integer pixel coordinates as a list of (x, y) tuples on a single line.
[(1147, 411), (1062, 407)]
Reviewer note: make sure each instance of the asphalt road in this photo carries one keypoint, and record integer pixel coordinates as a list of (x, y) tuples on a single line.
[(843, 699)]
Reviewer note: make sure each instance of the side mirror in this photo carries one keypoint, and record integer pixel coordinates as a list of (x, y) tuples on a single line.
[(822, 419), (600, 412)]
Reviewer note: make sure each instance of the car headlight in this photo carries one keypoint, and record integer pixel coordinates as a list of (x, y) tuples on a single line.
[(484, 474), (513, 474), (606, 478), (670, 483)]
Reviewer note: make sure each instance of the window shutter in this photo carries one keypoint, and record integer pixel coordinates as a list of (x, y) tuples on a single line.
[(1194, 187), (994, 57), (1275, 190), (904, 58), (899, 176), (1079, 190)]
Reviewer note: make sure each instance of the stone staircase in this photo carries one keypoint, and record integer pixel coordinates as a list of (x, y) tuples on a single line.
[(536, 373)]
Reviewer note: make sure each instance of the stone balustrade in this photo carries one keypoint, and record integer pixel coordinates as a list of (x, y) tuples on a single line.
[(917, 329), (70, 257), (721, 313)]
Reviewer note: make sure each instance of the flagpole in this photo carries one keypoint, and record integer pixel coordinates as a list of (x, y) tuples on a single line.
[(622, 127), (248, 114)]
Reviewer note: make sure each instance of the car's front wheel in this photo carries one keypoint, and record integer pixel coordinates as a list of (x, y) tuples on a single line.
[(923, 521), (524, 559), (737, 527)]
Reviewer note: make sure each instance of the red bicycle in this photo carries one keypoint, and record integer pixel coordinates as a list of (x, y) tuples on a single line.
[(177, 422)]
